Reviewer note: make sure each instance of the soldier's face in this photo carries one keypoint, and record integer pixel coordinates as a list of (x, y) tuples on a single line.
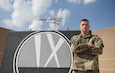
[(84, 26)]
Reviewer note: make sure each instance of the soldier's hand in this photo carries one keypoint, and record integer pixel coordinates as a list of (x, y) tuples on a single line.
[(91, 46), (80, 45)]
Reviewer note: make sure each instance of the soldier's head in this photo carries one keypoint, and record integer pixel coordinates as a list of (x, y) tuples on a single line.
[(84, 26)]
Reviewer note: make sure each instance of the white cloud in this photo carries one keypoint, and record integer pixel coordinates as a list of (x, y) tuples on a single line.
[(52, 13), (62, 13), (82, 1), (39, 7), (27, 11), (5, 5), (36, 25), (88, 1), (53, 27), (21, 14), (74, 1)]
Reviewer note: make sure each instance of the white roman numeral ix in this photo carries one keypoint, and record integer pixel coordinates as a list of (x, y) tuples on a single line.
[(37, 48), (53, 47)]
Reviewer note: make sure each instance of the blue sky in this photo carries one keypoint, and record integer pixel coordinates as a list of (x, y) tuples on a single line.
[(22, 15)]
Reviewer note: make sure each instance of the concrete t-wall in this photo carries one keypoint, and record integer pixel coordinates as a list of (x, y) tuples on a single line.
[(3, 36), (107, 59)]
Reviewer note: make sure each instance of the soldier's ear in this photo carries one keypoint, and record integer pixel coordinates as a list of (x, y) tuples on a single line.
[(89, 26)]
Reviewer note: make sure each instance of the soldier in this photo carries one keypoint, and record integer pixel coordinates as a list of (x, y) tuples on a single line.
[(86, 48)]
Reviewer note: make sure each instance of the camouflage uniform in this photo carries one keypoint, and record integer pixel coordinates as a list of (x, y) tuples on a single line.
[(86, 58)]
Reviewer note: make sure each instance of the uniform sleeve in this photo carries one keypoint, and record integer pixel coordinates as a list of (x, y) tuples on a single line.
[(98, 46), (74, 43), (75, 46)]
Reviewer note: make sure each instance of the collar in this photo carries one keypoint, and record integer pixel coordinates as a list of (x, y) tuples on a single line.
[(87, 36)]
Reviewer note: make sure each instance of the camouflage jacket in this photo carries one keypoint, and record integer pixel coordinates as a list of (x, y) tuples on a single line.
[(86, 57)]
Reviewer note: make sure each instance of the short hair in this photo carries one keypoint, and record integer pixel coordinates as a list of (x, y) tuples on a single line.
[(85, 20)]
